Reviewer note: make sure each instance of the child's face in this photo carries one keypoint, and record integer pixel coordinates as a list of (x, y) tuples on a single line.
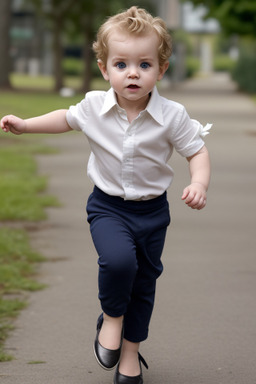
[(132, 67)]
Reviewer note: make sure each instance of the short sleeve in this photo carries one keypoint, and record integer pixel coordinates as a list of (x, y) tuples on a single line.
[(186, 137), (76, 115)]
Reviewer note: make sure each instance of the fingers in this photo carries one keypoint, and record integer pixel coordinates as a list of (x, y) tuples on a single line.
[(194, 199), (185, 194), (4, 124), (8, 122), (198, 205), (12, 124)]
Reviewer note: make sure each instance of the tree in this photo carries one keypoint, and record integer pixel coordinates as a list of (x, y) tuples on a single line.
[(55, 12), (78, 18), (87, 16), (5, 16), (85, 20), (235, 16), (82, 18)]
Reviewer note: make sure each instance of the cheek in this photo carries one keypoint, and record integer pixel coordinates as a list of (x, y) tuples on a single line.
[(152, 78), (114, 78)]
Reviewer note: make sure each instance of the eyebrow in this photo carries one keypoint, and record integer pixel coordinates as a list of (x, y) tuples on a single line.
[(143, 58)]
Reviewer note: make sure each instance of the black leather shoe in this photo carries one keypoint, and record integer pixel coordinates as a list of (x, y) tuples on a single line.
[(107, 358), (122, 379)]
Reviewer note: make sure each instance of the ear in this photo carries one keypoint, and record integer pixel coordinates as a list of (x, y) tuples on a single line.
[(103, 70), (162, 70)]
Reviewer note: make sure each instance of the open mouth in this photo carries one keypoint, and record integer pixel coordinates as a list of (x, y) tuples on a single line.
[(133, 86)]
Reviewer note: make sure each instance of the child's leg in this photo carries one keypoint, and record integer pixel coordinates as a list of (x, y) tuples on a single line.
[(137, 318), (138, 315), (110, 332), (117, 267), (129, 362), (129, 244), (117, 264)]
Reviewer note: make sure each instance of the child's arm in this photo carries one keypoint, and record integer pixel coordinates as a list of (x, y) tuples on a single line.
[(194, 194), (53, 122)]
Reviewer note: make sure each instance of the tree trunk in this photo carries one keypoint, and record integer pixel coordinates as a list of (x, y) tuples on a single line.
[(87, 71), (5, 17), (57, 56)]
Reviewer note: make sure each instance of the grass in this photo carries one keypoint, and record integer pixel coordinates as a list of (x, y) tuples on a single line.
[(17, 269), (46, 83), (23, 199), (9, 309), (17, 264), (29, 104), (21, 189)]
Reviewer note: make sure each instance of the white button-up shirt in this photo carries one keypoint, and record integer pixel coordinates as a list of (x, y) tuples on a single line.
[(130, 160)]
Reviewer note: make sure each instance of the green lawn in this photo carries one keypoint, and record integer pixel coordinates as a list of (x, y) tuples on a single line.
[(46, 83), (23, 196), (28, 104)]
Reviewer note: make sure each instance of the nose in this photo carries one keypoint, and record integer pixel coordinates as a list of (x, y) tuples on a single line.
[(133, 72)]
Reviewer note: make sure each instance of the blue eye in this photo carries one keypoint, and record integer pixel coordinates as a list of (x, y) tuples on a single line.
[(145, 65), (121, 65)]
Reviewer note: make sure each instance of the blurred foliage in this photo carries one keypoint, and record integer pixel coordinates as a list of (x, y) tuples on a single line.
[(223, 63), (192, 66), (78, 20), (73, 66), (181, 36), (244, 72), (235, 16), (5, 18)]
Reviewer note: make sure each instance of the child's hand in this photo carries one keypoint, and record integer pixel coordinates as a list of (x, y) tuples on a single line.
[(13, 124), (195, 196)]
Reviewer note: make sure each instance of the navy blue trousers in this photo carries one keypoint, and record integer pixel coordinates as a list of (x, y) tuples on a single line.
[(129, 239)]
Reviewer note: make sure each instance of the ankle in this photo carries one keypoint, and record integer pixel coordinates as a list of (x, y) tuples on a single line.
[(110, 334), (114, 321), (129, 363)]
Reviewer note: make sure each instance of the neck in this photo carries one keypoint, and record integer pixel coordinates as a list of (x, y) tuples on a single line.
[(133, 108)]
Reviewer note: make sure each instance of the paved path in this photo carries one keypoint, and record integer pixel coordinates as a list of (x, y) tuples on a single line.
[(203, 327)]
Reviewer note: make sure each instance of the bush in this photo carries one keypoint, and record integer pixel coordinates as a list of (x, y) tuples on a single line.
[(73, 66), (223, 63), (244, 72), (192, 66)]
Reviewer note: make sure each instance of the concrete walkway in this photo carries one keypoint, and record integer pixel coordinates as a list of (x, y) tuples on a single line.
[(203, 326)]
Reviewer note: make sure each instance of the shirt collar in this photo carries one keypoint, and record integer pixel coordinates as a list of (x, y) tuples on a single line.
[(110, 101), (154, 107)]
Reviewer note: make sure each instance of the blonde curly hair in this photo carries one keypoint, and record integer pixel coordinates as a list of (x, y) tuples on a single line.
[(134, 21)]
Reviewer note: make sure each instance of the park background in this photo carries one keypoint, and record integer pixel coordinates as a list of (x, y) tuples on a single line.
[(46, 63), (50, 40)]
